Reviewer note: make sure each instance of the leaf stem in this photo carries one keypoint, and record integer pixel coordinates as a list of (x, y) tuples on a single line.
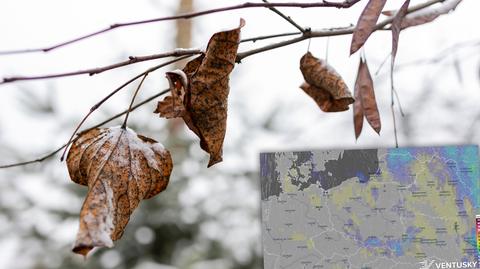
[(287, 18), (392, 106), (124, 125)]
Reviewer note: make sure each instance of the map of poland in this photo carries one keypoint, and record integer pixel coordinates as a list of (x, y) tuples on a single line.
[(386, 208)]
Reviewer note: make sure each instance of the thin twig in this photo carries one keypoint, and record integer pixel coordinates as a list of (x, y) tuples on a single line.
[(326, 49), (133, 108), (53, 153), (382, 64), (394, 124), (287, 18), (441, 55), (392, 104), (124, 125), (38, 160), (97, 105), (255, 39), (93, 71), (345, 4), (399, 103)]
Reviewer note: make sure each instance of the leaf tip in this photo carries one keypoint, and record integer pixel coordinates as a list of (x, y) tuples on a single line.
[(353, 49), (82, 250), (242, 23), (214, 160)]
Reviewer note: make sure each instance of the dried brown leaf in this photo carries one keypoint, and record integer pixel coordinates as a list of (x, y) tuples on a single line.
[(206, 95), (324, 84), (388, 13), (396, 28), (366, 24), (173, 106), (120, 168), (364, 84), (357, 106), (429, 14)]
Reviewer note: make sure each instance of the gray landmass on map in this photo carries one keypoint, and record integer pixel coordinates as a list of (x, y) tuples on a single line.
[(270, 186), (352, 163), (329, 172)]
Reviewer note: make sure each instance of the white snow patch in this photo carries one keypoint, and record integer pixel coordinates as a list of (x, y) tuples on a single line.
[(436, 11), (136, 144), (186, 50)]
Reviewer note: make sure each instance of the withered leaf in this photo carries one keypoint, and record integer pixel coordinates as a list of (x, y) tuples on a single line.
[(358, 108), (364, 88), (429, 14), (324, 84), (206, 94), (366, 24), (120, 168), (173, 106), (388, 12), (396, 27)]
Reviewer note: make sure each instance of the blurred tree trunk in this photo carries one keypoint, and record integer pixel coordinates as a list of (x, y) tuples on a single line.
[(183, 39)]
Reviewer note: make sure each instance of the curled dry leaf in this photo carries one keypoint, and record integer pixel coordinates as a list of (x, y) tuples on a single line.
[(120, 168), (358, 109), (366, 24), (173, 106), (388, 13), (396, 28), (429, 14), (365, 103), (203, 106), (324, 84)]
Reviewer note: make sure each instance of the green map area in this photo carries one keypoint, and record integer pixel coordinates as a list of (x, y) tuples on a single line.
[(378, 208)]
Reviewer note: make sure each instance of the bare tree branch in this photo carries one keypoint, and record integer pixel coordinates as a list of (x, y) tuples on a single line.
[(53, 153), (344, 4), (287, 18), (255, 39), (93, 71)]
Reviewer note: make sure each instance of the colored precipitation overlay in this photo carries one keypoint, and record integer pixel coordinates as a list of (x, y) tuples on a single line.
[(377, 208)]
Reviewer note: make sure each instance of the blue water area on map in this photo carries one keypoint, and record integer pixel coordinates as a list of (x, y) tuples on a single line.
[(466, 171), (398, 164), (362, 177), (396, 246), (373, 242)]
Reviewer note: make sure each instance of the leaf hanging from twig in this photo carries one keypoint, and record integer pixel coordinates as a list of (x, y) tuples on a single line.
[(358, 108), (365, 96), (396, 27), (430, 14), (120, 168), (366, 24), (206, 91), (324, 84)]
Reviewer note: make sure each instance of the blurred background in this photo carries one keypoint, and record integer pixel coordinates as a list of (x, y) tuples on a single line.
[(207, 218)]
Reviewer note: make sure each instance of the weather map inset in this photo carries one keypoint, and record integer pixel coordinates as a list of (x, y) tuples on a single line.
[(375, 208)]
